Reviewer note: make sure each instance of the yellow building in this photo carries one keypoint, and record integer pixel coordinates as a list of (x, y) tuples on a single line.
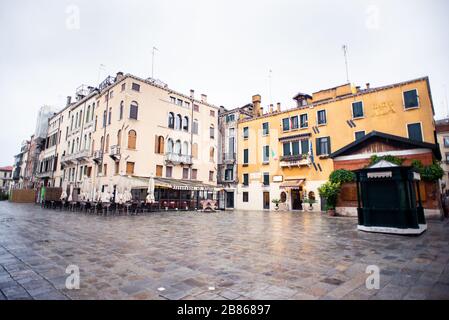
[(284, 154)]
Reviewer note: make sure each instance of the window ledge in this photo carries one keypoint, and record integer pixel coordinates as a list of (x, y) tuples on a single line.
[(321, 124), (358, 118), (245, 165), (411, 108)]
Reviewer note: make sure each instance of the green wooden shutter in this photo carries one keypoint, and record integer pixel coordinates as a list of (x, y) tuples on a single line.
[(328, 145), (318, 146)]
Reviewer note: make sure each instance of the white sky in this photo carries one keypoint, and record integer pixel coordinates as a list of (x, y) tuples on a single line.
[(224, 49)]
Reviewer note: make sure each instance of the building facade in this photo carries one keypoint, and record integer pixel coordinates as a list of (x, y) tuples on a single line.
[(285, 154), (227, 176), (442, 129), (5, 178)]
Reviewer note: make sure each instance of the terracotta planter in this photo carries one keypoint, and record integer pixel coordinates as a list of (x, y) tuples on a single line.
[(331, 212)]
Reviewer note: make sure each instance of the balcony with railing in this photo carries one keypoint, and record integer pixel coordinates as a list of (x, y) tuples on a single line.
[(97, 156), (230, 157), (68, 158), (114, 152), (298, 160), (175, 158)]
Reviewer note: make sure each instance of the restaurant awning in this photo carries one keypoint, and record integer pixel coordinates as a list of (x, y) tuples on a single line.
[(176, 184), (292, 184)]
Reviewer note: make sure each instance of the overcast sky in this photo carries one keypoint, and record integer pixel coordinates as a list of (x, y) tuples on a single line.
[(224, 49)]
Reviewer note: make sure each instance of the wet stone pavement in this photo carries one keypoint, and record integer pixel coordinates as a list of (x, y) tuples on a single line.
[(224, 255)]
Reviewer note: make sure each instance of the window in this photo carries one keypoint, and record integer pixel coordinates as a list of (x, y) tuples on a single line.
[(305, 146), (133, 110), (135, 87), (194, 174), (187, 104), (266, 154), (245, 133), (105, 169), (323, 146), (171, 120), (121, 111), (211, 154), (132, 139), (185, 126), (104, 118), (266, 179), (229, 174), (321, 117), (245, 156), (123, 86), (294, 122), (230, 118), (265, 128), (286, 124), (177, 147), (245, 196), (173, 100), (357, 110), (119, 137), (178, 122), (159, 145), (196, 108), (446, 141), (111, 94), (195, 150), (195, 126), (245, 179), (110, 116), (88, 114), (129, 168), (303, 121), (286, 149), (414, 131), (159, 171), (185, 148), (212, 132), (179, 102), (359, 135), (170, 145), (116, 168), (107, 144), (411, 99), (211, 176), (185, 173), (295, 148), (212, 113)]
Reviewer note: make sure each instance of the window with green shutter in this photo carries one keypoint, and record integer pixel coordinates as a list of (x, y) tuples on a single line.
[(286, 124), (357, 110), (411, 99), (245, 156), (245, 179), (266, 179), (304, 146), (414, 131), (266, 154), (286, 148), (295, 148)]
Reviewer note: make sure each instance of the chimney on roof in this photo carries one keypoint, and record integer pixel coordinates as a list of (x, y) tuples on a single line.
[(192, 93), (69, 100), (367, 85), (271, 108), (256, 103), (203, 98), (278, 107), (119, 76)]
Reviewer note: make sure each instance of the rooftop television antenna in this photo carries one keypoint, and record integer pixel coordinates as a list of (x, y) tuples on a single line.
[(345, 52)]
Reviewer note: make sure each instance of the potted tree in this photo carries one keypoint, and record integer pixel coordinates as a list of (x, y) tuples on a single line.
[(330, 191), (276, 202), (310, 201)]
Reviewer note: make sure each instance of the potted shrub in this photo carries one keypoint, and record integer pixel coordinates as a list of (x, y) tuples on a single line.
[(310, 201), (330, 191), (276, 202)]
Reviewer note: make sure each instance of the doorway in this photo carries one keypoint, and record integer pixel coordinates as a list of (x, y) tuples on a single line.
[(296, 199), (266, 201), (229, 200)]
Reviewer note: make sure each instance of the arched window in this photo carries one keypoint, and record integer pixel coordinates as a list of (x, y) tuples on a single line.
[(88, 114), (186, 124), (107, 144), (211, 154), (81, 119), (90, 141), (178, 122), (283, 197), (185, 148), (195, 151), (159, 145), (119, 138), (93, 146), (101, 143), (195, 126), (169, 145), (133, 110), (77, 144), (177, 148), (171, 120), (121, 110), (212, 131), (85, 142), (110, 116), (68, 150), (93, 111), (132, 139)]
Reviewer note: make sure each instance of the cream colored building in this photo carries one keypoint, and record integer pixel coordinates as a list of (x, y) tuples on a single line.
[(442, 130), (143, 129)]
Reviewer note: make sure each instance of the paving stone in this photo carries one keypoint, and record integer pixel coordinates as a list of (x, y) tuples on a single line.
[(243, 255)]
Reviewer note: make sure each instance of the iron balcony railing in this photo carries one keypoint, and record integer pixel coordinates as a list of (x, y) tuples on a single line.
[(295, 160), (178, 158)]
